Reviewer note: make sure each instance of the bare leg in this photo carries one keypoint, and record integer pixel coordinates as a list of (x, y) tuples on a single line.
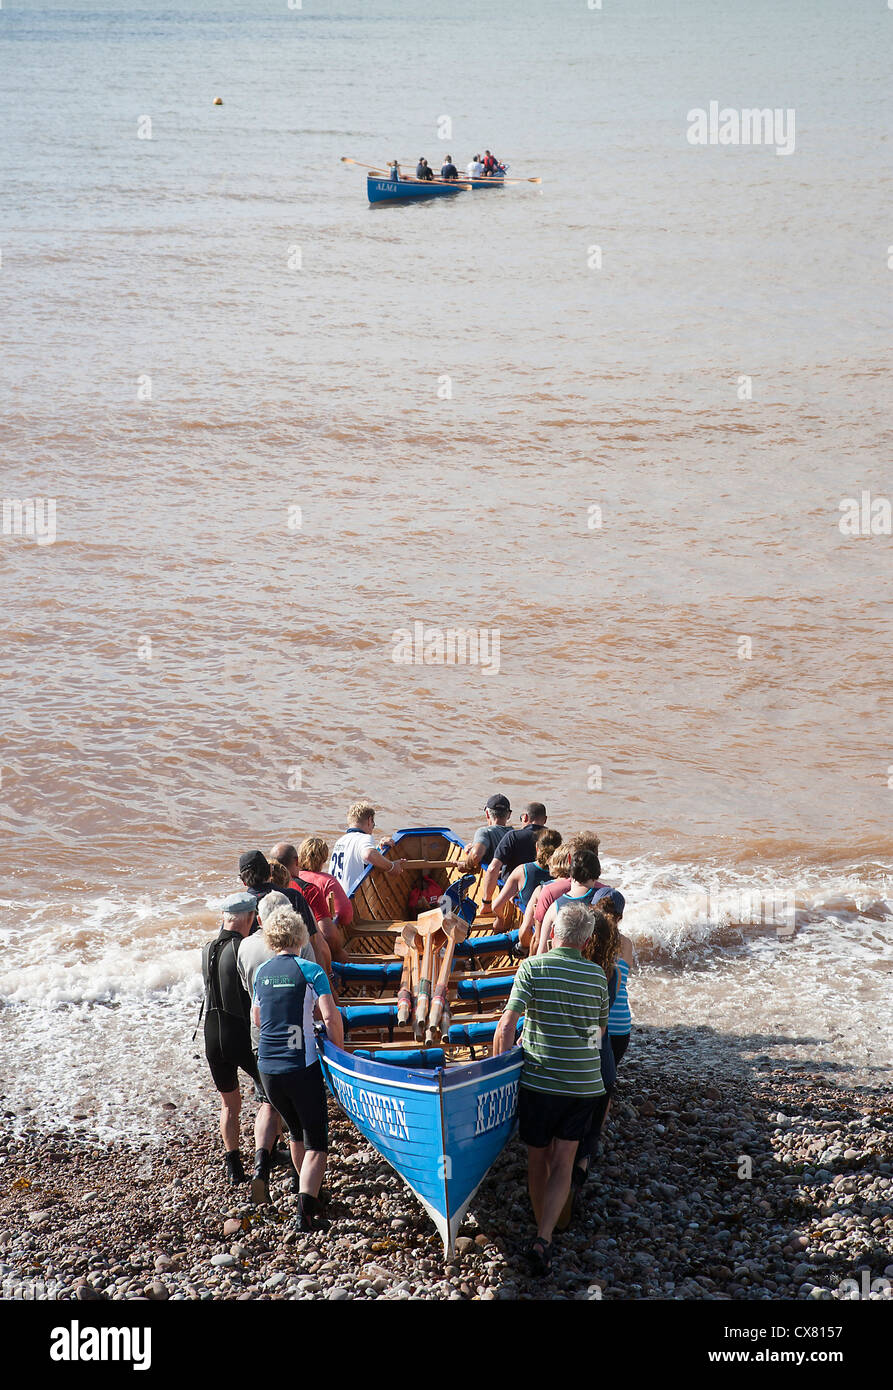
[(561, 1161), (312, 1171), (537, 1177), (230, 1109), (266, 1127), (297, 1153)]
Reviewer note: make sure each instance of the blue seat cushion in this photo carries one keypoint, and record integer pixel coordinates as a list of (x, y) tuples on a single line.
[(381, 972), (502, 944), (493, 987), (428, 1058), (369, 1015)]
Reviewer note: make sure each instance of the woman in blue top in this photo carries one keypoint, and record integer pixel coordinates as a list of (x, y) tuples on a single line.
[(585, 869), (523, 882), (603, 948), (612, 903), (287, 989)]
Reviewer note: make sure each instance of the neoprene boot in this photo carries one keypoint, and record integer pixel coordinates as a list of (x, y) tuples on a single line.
[(234, 1170), (308, 1216), (259, 1183), (281, 1157)]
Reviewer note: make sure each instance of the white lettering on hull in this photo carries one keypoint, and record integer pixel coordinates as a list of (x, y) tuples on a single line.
[(385, 1114), (495, 1107)]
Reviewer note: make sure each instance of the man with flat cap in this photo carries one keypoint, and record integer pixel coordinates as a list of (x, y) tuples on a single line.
[(227, 1013)]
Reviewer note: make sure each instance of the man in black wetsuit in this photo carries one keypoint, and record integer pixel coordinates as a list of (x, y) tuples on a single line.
[(228, 1047)]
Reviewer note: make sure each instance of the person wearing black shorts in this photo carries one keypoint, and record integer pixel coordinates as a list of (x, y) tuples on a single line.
[(227, 1032), (564, 1002), (287, 989)]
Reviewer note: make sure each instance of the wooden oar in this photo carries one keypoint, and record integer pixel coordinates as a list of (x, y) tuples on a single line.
[(453, 183), (429, 928), (456, 930), (429, 863), (405, 946), (345, 159)]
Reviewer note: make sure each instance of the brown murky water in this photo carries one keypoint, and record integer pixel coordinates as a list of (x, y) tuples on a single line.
[(281, 429)]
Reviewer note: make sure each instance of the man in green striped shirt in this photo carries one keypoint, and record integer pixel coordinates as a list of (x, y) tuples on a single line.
[(565, 1002)]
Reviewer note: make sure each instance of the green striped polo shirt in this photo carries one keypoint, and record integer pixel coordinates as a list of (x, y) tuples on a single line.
[(565, 1000)]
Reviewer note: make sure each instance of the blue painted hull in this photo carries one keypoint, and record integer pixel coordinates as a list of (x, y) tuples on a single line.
[(440, 1123), (440, 1130), (382, 190)]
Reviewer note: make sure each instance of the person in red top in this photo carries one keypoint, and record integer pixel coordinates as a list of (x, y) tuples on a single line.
[(313, 895), (313, 855)]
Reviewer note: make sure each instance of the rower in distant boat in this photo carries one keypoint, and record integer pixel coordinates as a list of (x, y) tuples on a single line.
[(423, 171), (394, 170), (475, 168), (449, 171), (491, 164)]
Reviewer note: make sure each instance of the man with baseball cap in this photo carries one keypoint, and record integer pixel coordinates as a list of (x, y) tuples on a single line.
[(487, 837), (516, 847)]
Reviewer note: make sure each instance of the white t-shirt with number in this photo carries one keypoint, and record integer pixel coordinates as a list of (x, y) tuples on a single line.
[(347, 863)]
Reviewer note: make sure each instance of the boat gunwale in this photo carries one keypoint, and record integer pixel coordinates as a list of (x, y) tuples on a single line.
[(454, 1077)]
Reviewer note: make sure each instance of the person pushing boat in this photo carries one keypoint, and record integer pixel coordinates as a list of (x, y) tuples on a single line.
[(517, 847), (226, 1010), (487, 837), (287, 988), (564, 1001)]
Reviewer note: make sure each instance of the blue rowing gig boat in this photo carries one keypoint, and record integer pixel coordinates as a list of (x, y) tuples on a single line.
[(384, 190), (440, 1114)]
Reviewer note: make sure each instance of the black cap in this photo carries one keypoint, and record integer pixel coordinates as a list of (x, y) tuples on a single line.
[(499, 804), (253, 859)]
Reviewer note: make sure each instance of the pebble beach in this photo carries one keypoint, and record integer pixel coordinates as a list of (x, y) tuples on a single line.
[(720, 1178)]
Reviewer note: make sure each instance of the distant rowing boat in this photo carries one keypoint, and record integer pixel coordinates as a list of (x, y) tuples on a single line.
[(439, 1114), (385, 190)]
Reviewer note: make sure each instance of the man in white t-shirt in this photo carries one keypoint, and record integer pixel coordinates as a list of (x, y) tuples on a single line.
[(358, 848), (475, 168)]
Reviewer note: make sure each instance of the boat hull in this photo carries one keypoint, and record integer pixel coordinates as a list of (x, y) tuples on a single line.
[(440, 1116), (383, 190), (440, 1130)]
